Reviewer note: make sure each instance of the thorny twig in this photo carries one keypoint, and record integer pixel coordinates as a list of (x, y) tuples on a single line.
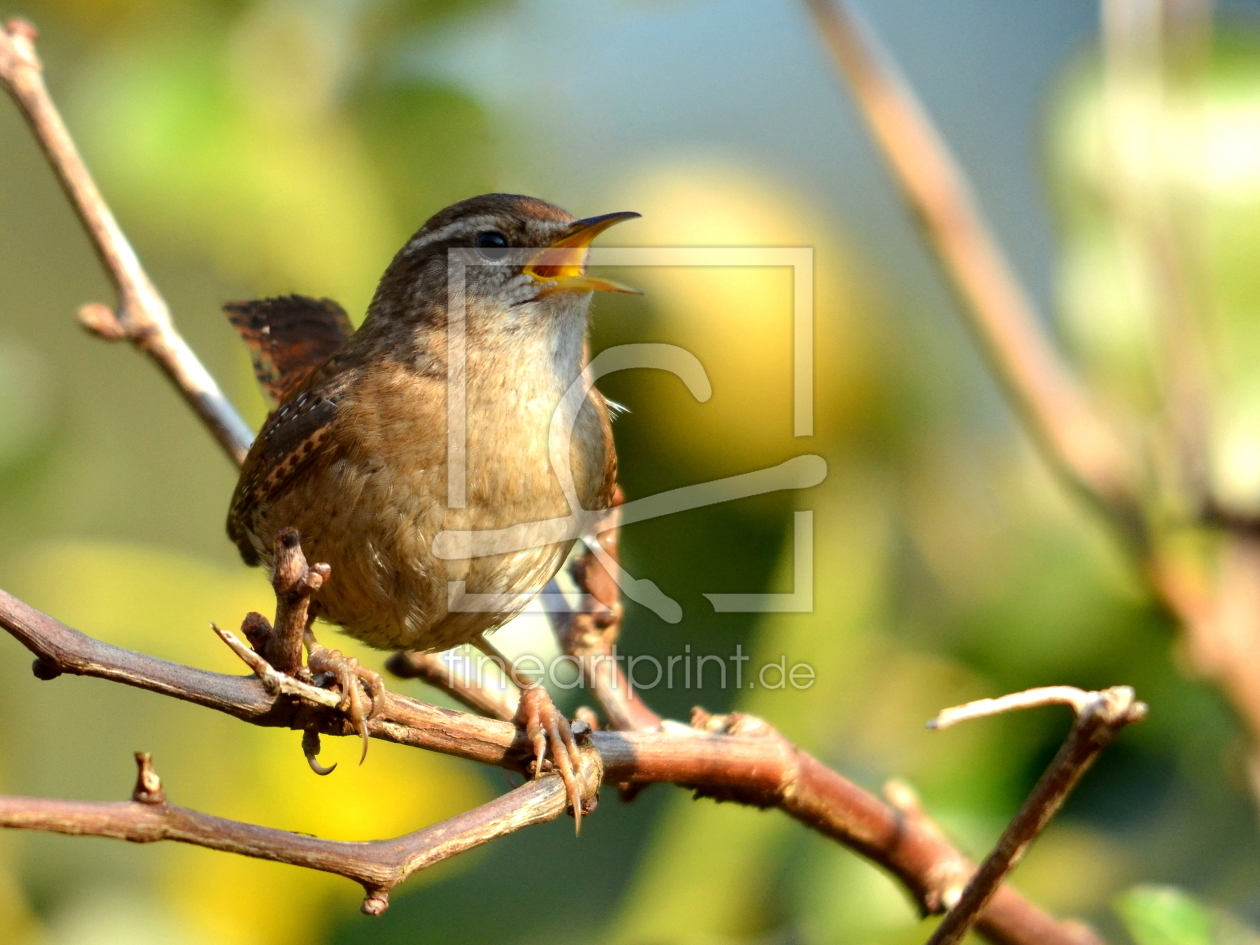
[(1099, 718), (738, 758)]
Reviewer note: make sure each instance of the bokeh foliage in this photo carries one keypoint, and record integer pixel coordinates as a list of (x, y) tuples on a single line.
[(257, 147)]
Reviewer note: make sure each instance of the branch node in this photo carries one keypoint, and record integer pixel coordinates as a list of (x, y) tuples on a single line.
[(274, 682), (148, 789), (257, 629), (43, 669), (901, 795), (101, 321), (1119, 706), (376, 902), (734, 723)]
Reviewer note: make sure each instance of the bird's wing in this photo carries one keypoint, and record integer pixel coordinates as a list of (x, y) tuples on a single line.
[(293, 436), (288, 337)]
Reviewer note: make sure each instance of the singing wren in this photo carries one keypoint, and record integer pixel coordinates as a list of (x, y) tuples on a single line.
[(355, 455)]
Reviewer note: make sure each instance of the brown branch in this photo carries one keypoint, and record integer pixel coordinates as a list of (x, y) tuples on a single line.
[(1219, 613), (294, 582), (1136, 43), (735, 758), (497, 703), (590, 633), (1218, 616), (142, 317), (1099, 718), (1073, 437), (378, 865)]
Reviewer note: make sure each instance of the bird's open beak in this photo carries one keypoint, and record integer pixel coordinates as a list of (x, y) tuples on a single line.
[(561, 263)]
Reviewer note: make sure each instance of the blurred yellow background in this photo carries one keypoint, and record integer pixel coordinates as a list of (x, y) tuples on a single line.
[(260, 147)]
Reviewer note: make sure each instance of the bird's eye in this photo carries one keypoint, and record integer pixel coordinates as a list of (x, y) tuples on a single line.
[(492, 245)]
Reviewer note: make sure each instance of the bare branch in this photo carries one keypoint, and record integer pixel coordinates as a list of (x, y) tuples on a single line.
[(142, 317), (295, 582), (736, 758), (1099, 719), (378, 865), (497, 703), (1078, 699), (274, 681), (590, 633), (1074, 438), (1154, 218), (1219, 613)]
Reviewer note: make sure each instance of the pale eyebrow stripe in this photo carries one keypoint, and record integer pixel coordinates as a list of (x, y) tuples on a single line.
[(451, 229)]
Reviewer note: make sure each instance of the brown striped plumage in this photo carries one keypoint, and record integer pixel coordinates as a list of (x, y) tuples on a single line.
[(355, 455)]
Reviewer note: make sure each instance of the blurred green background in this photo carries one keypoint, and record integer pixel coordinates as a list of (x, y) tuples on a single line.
[(255, 147)]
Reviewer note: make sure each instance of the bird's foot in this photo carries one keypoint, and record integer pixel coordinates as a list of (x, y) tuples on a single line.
[(355, 681), (547, 728)]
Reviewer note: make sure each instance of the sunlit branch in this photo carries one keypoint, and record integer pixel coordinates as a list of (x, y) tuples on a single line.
[(1100, 716), (142, 316), (1074, 438)]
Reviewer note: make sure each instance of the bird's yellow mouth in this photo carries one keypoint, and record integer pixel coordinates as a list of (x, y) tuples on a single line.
[(560, 264)]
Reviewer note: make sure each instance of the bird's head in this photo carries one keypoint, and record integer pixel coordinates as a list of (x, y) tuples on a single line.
[(504, 260)]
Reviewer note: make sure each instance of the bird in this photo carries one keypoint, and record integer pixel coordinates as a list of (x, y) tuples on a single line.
[(354, 457)]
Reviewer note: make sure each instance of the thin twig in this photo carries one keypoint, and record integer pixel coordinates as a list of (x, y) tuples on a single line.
[(1099, 719), (737, 758), (294, 582), (142, 317), (440, 673), (1078, 699), (378, 865), (1143, 198), (274, 681), (1219, 615), (590, 632), (1074, 438)]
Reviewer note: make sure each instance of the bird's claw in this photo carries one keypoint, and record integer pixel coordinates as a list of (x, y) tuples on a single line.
[(546, 727), (346, 672)]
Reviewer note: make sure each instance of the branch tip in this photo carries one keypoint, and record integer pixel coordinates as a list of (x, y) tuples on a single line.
[(375, 903), (18, 28)]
